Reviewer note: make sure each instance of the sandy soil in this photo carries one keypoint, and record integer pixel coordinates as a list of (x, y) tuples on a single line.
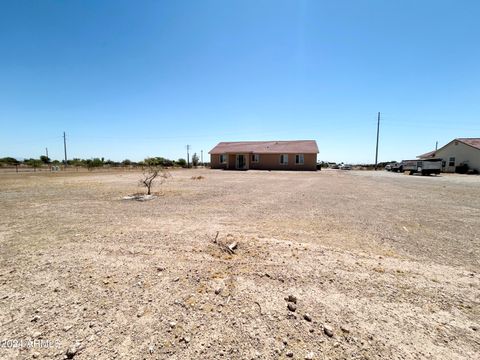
[(387, 264)]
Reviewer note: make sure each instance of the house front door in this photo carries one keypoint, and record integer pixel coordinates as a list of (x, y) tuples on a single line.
[(241, 164)]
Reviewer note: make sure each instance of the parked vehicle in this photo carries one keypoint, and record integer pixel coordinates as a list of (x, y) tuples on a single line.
[(346, 167), (394, 166), (397, 167), (424, 167)]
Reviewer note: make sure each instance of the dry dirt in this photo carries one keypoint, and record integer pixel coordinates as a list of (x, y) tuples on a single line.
[(388, 262)]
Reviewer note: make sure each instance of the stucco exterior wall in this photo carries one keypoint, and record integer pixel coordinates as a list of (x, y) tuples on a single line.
[(462, 153), (267, 162)]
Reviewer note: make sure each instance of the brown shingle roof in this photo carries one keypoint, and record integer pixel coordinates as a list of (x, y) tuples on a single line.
[(266, 147), (475, 142), (427, 155)]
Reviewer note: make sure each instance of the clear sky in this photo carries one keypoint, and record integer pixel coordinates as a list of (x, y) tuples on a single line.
[(131, 79)]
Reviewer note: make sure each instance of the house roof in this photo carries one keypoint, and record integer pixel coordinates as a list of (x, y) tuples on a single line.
[(474, 142), (266, 147), (430, 154)]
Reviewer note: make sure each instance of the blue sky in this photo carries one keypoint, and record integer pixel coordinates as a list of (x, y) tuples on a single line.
[(131, 79)]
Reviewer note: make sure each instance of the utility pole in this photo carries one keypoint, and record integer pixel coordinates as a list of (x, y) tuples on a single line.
[(201, 156), (378, 133), (188, 156), (65, 147), (46, 152), (436, 146)]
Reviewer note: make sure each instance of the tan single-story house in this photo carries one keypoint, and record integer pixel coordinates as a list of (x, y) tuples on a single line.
[(456, 154), (265, 155)]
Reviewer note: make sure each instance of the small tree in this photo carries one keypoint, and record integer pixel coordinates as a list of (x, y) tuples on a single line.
[(150, 173), (45, 159), (182, 162), (9, 161), (195, 160)]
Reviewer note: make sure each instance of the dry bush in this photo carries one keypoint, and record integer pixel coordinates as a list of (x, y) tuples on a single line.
[(152, 172)]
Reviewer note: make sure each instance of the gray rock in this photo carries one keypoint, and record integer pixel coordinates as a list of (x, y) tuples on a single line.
[(345, 329), (72, 351), (292, 306), (291, 298), (289, 354), (328, 330), (310, 356), (307, 317), (185, 339)]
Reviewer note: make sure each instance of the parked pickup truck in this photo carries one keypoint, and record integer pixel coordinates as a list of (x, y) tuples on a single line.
[(395, 167), (424, 167)]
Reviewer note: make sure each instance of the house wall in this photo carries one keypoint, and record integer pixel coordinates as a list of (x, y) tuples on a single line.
[(267, 162), (215, 162), (462, 153)]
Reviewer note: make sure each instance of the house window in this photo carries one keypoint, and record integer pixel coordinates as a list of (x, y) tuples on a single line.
[(283, 159), (299, 159), (255, 158), (451, 161), (444, 163), (223, 158)]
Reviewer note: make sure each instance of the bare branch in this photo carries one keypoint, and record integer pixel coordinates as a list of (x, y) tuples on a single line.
[(150, 173)]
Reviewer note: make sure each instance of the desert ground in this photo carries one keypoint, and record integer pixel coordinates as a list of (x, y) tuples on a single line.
[(376, 265)]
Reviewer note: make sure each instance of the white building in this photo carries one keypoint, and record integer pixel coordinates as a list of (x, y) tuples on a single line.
[(458, 152)]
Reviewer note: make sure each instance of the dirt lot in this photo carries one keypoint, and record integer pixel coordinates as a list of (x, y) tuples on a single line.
[(387, 264)]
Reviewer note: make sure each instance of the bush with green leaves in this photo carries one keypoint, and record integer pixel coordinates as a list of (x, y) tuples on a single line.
[(181, 162)]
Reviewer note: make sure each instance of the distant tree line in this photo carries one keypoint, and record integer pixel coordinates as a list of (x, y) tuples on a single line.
[(94, 162)]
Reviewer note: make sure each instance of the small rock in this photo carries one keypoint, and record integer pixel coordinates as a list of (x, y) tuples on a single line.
[(474, 327), (151, 349), (37, 334), (66, 328), (292, 306), (328, 330), (72, 351), (289, 354), (185, 339), (35, 355), (307, 317), (345, 329), (310, 356), (176, 279), (218, 291), (291, 298), (35, 318), (172, 324), (160, 268)]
